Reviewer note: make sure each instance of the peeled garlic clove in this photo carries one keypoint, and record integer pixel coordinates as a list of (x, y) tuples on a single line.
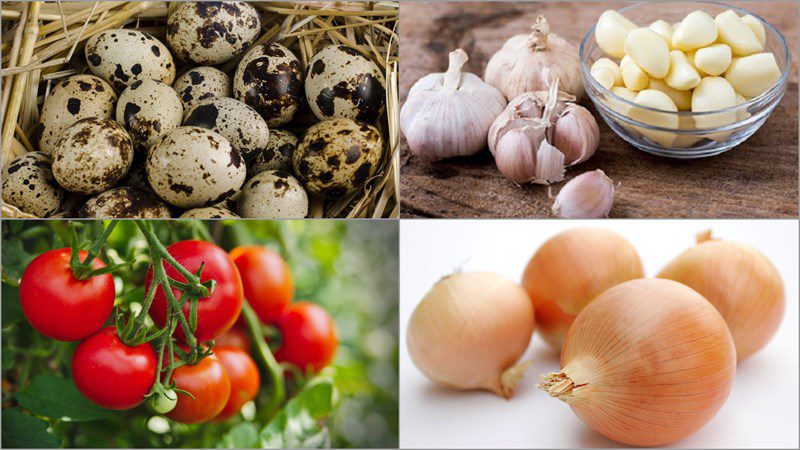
[(753, 75), (664, 29), (714, 94), (576, 134), (757, 27), (611, 65), (649, 51), (696, 30), (682, 99), (449, 114), (590, 195), (606, 72), (713, 60), (611, 31), (734, 32), (661, 101), (681, 76), (633, 77)]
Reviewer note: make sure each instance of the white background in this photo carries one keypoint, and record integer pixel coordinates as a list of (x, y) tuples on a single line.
[(762, 410)]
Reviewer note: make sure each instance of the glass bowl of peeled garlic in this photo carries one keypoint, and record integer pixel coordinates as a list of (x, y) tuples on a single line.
[(684, 79)]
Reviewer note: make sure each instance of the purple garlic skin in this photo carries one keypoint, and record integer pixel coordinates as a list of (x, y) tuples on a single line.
[(590, 195)]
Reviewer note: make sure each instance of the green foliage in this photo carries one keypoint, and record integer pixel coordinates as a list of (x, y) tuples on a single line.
[(349, 267)]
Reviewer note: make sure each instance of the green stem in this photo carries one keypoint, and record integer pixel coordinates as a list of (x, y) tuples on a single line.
[(275, 370)]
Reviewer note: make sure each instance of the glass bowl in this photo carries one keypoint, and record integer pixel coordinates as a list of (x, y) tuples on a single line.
[(697, 134)]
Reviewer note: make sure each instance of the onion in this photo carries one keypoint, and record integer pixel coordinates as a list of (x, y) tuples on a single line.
[(571, 269), (648, 362), (469, 331), (740, 282)]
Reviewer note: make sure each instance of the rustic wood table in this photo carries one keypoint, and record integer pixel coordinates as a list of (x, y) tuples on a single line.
[(759, 178)]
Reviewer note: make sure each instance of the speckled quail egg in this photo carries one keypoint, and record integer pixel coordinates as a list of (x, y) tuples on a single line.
[(201, 83), (238, 123), (277, 155), (149, 109), (337, 156), (341, 82), (78, 97), (92, 156), (123, 57), (28, 184), (192, 167), (212, 32), (125, 203), (211, 212), (269, 79), (273, 195)]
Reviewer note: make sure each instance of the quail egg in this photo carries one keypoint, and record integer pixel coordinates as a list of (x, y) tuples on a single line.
[(122, 57), (277, 155), (273, 195), (238, 123), (149, 109), (337, 157), (211, 212), (212, 32), (28, 184), (78, 97), (341, 82), (92, 156), (191, 167), (125, 203), (269, 79), (201, 83)]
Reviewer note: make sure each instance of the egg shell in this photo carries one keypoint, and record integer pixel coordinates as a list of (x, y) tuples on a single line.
[(269, 78), (201, 83), (240, 124), (78, 97), (125, 203), (337, 157), (273, 195), (92, 156), (29, 184), (210, 212), (123, 57), (149, 109), (342, 82), (192, 167), (212, 32), (276, 155)]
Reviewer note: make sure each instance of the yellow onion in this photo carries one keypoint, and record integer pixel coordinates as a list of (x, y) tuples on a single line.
[(648, 362), (740, 282), (469, 331), (571, 269)]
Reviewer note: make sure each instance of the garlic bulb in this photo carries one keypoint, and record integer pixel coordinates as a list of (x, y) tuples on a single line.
[(469, 331), (518, 66), (590, 195), (449, 114), (521, 138)]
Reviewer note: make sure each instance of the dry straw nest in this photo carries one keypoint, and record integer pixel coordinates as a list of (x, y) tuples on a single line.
[(42, 43)]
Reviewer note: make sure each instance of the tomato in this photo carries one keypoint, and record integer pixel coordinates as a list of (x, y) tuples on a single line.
[(112, 374), (208, 382), (215, 313), (236, 338), (60, 306), (245, 380), (267, 280), (309, 336), (165, 403)]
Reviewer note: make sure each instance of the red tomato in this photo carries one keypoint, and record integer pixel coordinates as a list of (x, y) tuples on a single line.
[(267, 280), (215, 313), (60, 306), (245, 380), (112, 374), (236, 338), (208, 382), (309, 336)]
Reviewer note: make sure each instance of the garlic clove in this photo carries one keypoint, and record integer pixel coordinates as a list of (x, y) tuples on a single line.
[(590, 195), (649, 51), (661, 101), (713, 60), (737, 34), (757, 27), (613, 67), (633, 77), (576, 134), (550, 165), (696, 30), (682, 99), (753, 75), (664, 29), (681, 76), (611, 31)]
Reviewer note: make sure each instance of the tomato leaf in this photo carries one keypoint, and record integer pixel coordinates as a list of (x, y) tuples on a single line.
[(12, 309), (298, 424), (23, 431), (243, 435), (52, 396)]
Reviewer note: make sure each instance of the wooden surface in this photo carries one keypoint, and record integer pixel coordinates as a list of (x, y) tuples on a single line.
[(756, 179)]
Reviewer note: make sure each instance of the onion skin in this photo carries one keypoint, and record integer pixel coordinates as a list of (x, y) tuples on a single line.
[(741, 283), (571, 269), (469, 331), (648, 362)]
